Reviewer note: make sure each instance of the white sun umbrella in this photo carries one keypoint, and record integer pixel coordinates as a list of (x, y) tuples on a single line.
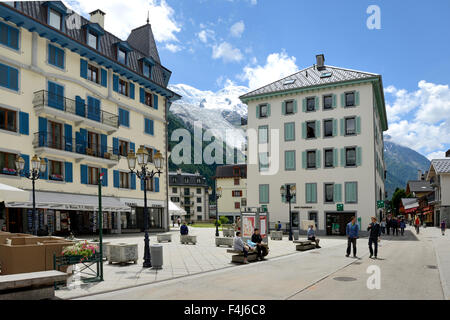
[(175, 210), (13, 194)]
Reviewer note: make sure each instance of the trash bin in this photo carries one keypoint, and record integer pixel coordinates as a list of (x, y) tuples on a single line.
[(295, 234), (156, 252)]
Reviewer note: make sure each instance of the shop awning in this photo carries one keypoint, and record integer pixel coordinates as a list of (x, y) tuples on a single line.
[(411, 210), (9, 193), (133, 202), (68, 201), (176, 210)]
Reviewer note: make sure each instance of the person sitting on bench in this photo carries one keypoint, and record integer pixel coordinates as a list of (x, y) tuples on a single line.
[(184, 229), (312, 236), (256, 238), (239, 245)]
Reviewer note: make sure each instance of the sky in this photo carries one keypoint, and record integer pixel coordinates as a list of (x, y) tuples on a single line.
[(211, 44)]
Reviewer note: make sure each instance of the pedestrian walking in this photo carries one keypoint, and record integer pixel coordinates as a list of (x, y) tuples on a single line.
[(394, 227), (402, 227), (352, 231), (374, 237), (388, 226), (417, 224), (443, 226), (179, 222), (383, 226)]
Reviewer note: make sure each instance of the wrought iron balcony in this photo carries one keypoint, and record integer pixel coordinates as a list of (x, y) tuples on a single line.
[(44, 98), (78, 146)]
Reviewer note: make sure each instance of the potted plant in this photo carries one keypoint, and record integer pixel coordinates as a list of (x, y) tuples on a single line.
[(79, 252)]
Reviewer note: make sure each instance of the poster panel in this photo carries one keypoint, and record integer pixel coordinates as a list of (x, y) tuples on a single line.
[(248, 226), (263, 226)]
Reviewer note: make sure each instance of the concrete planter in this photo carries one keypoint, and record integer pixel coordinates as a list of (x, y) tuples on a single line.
[(164, 237), (186, 239), (276, 235), (224, 241), (228, 232), (122, 253)]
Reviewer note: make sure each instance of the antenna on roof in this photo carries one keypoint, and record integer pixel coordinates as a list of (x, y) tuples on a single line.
[(148, 17)]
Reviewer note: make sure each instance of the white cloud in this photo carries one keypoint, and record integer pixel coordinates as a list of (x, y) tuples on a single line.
[(121, 16), (226, 52), (278, 65), (237, 29), (436, 155), (205, 35), (420, 119), (173, 47)]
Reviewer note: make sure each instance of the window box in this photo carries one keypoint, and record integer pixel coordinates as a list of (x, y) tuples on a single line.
[(57, 177), (9, 171)]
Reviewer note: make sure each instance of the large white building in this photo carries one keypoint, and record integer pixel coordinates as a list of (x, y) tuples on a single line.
[(330, 147)]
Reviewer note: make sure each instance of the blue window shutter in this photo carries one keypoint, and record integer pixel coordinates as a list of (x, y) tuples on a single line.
[(142, 185), (132, 90), (84, 174), (26, 168), (103, 144), (156, 184), (146, 125), (105, 177), (24, 123), (120, 116), (116, 179), (80, 109), (115, 146), (68, 172), (115, 83), (152, 127), (155, 101), (83, 141), (83, 68), (68, 137), (133, 181), (132, 146), (104, 78), (42, 132), (127, 118), (142, 95)]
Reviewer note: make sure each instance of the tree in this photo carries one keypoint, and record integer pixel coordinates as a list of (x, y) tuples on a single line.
[(396, 200)]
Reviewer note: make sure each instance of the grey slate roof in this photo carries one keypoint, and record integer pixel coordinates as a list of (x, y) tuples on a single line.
[(441, 165), (420, 186), (36, 10), (310, 77), (226, 171), (192, 179)]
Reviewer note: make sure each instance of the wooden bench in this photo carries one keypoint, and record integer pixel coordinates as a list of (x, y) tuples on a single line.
[(164, 237), (30, 286), (186, 239), (238, 256), (303, 245), (224, 241)]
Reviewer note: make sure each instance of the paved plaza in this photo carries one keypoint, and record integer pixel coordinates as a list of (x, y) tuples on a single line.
[(179, 261), (411, 267)]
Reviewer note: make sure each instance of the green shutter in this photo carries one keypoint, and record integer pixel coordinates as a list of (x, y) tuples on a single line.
[(314, 192), (283, 107), (317, 129), (342, 121), (304, 105), (263, 193), (343, 157), (268, 110), (334, 101), (358, 125), (257, 112), (335, 158), (318, 158), (337, 193), (304, 130), (289, 160), (357, 98), (289, 131), (342, 100), (295, 106), (308, 192), (335, 127), (304, 159), (358, 156), (317, 103)]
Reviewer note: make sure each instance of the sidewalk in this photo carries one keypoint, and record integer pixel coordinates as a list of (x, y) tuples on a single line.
[(179, 261)]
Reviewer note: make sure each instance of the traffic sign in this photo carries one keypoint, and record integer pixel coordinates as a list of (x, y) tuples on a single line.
[(380, 204)]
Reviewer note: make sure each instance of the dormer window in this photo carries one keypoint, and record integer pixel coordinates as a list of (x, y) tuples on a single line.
[(92, 40), (54, 19), (121, 56), (146, 70)]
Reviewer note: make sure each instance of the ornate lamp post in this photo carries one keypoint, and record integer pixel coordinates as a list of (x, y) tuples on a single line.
[(289, 192), (37, 166), (217, 196), (145, 174)]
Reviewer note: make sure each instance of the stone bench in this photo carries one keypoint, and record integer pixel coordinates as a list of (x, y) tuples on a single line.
[(224, 241), (276, 235), (164, 237), (186, 239), (238, 256), (228, 232), (30, 286), (303, 245)]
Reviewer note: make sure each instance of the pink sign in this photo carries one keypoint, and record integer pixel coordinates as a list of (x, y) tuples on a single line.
[(248, 226)]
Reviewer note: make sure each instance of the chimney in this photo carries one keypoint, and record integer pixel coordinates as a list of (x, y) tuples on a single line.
[(178, 171), (419, 175), (98, 16), (320, 61), (447, 154)]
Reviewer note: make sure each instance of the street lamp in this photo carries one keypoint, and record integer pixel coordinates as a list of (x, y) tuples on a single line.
[(37, 166), (289, 192), (217, 196), (144, 174)]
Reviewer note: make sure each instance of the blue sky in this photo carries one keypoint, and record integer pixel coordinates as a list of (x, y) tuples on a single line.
[(209, 44)]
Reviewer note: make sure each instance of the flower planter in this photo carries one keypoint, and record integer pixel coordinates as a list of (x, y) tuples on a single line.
[(104, 247), (122, 253)]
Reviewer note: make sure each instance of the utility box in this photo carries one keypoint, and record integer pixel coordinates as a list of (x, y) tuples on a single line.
[(156, 253)]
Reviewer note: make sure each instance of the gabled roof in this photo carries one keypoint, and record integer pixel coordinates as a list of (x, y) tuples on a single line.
[(190, 177), (441, 165), (142, 39), (310, 77), (409, 203), (419, 186)]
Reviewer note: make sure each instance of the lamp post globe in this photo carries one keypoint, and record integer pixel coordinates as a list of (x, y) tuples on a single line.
[(20, 163), (43, 165), (282, 190), (158, 160), (142, 156), (131, 159), (35, 163)]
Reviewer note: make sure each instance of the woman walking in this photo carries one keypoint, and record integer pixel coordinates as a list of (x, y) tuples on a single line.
[(383, 226), (443, 226)]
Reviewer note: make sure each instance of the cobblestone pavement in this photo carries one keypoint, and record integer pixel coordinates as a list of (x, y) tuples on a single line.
[(179, 261)]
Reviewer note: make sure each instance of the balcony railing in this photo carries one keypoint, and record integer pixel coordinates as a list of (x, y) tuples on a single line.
[(45, 98), (191, 194), (45, 140)]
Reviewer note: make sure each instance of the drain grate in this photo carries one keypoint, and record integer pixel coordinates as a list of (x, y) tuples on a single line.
[(431, 267), (344, 279)]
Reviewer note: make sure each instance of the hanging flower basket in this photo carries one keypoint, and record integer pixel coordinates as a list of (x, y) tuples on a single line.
[(79, 252)]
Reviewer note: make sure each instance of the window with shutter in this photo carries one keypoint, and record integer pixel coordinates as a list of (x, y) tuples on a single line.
[(289, 160), (264, 193), (351, 191), (328, 192), (289, 131)]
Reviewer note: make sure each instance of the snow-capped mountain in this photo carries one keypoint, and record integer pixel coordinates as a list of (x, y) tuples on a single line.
[(218, 111)]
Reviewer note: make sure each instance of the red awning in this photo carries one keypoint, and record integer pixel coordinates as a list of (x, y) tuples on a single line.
[(412, 210)]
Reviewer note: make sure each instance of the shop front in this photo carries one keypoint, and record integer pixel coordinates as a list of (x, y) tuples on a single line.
[(134, 220), (336, 222)]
